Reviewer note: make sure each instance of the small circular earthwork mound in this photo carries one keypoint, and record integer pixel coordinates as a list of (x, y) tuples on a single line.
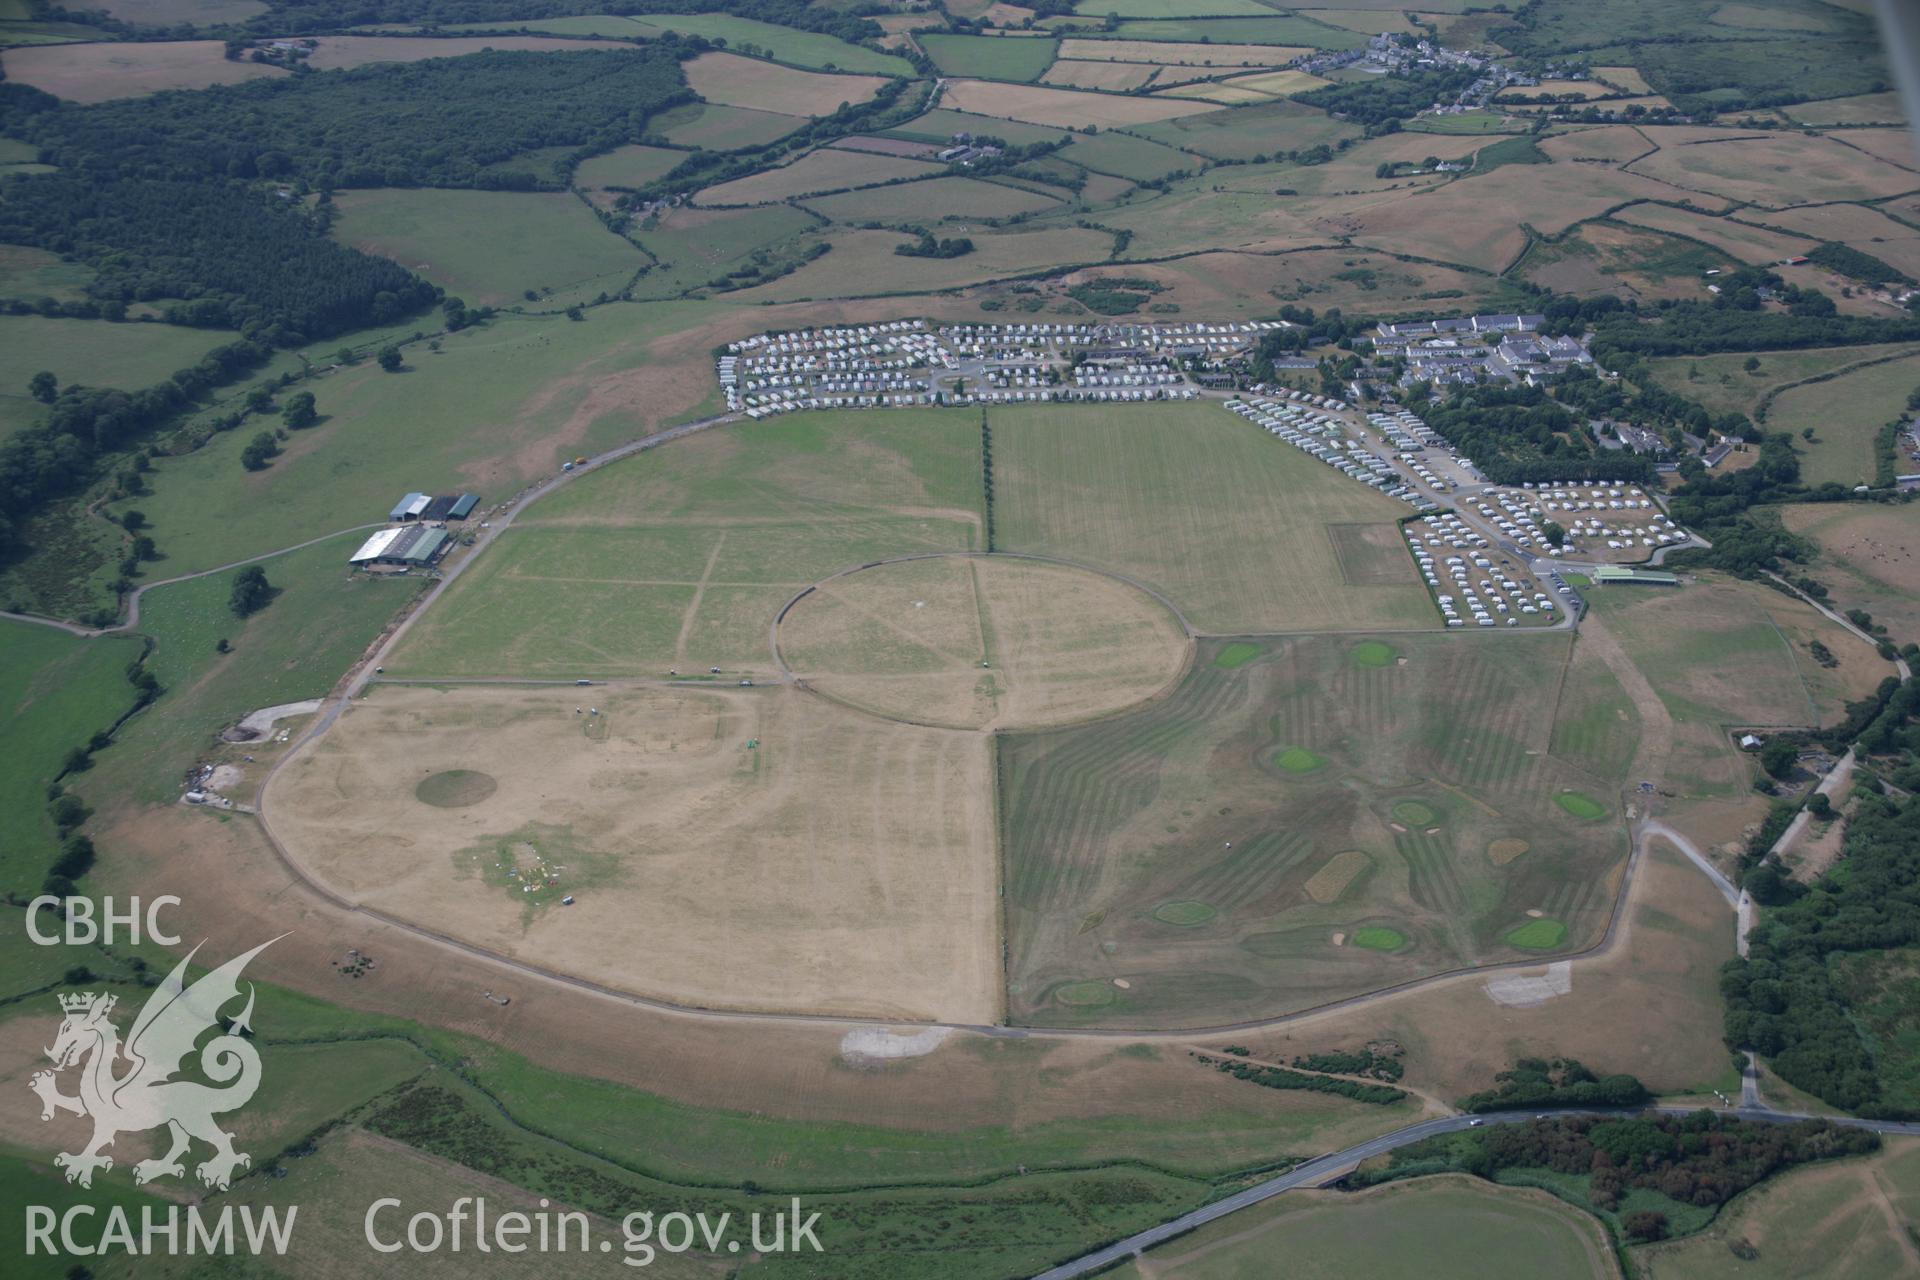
[(1414, 814), (1372, 653), (1084, 995), (1501, 852), (455, 788), (1377, 937), (1184, 914), (1580, 806), (1544, 934)]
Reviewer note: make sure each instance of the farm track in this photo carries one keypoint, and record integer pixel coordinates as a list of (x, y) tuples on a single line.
[(1176, 715)]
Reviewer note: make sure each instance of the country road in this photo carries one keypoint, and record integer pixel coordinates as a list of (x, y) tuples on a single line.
[(1323, 1168), (133, 597)]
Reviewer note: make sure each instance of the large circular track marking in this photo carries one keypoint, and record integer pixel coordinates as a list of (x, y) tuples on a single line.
[(982, 641)]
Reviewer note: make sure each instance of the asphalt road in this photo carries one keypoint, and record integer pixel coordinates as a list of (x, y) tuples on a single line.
[(1323, 1168)]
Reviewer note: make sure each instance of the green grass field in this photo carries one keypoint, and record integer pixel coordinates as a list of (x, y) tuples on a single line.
[(1241, 133), (295, 648), (1430, 1226), (1418, 767), (633, 166), (715, 127), (1845, 413), (1021, 58), (694, 247), (1173, 8), (683, 556), (56, 691), (1291, 29), (783, 44), (98, 353), (497, 406), (939, 126), (1722, 383), (491, 247), (1130, 157), (1192, 500), (1467, 122), (931, 201), (33, 274)]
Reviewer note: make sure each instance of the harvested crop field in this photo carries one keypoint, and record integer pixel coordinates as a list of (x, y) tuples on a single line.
[(982, 642), (1116, 77), (101, 72), (1172, 51), (827, 169), (765, 86), (338, 53), (1276, 84), (1867, 230), (1062, 108), (931, 201), (1772, 170), (1424, 765), (1231, 525), (687, 826)]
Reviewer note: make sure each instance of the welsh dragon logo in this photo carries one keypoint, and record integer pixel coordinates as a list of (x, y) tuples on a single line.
[(132, 1087)]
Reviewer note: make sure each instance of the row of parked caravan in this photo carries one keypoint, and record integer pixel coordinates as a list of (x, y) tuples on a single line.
[(1324, 438), (1466, 584), (1525, 511)]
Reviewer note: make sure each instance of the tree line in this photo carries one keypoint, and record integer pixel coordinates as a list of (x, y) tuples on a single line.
[(1785, 999)]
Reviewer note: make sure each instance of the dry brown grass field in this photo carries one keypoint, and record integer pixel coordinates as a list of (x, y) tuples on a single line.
[(689, 827), (1115, 76), (765, 86), (1844, 1218), (1602, 257), (1871, 558), (1772, 170), (1246, 284), (865, 262), (1616, 143), (1625, 78), (340, 52), (1867, 230), (1741, 240), (1451, 224), (1062, 108), (983, 642), (1867, 108), (1215, 92), (101, 72), (1894, 146), (827, 169)]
